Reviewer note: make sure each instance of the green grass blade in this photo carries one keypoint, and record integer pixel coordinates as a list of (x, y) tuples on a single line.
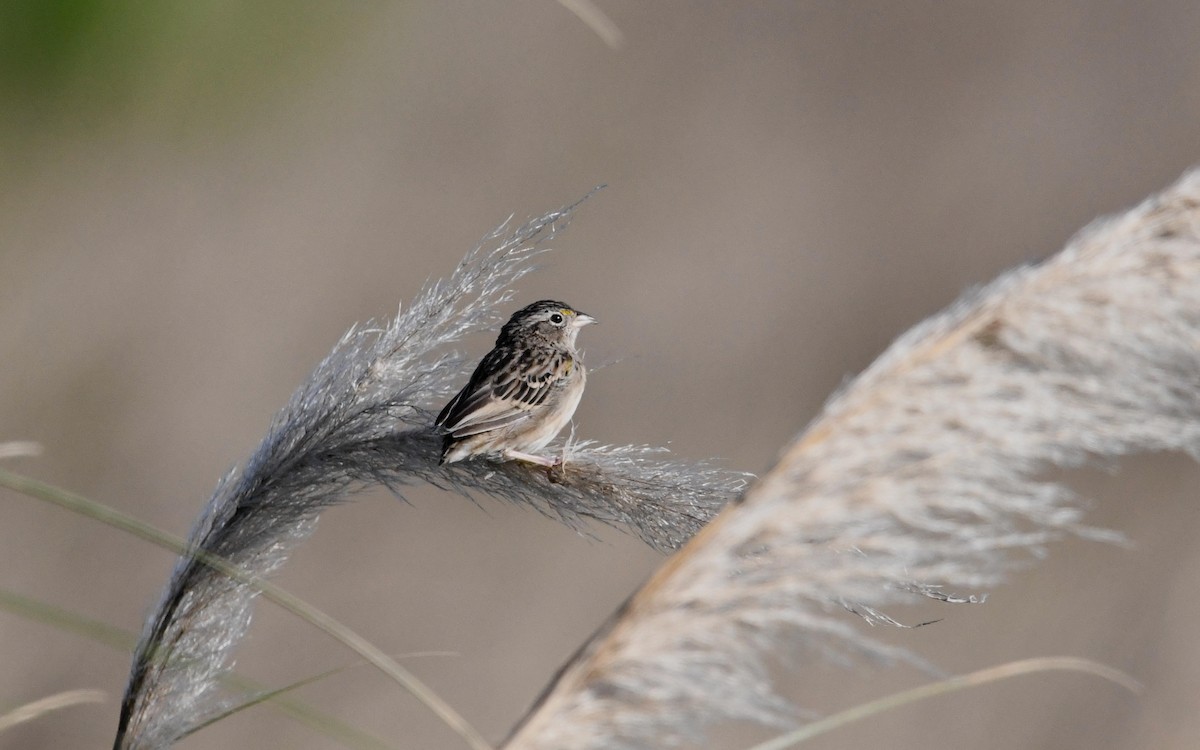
[(123, 640), (297, 606), (63, 619), (261, 696)]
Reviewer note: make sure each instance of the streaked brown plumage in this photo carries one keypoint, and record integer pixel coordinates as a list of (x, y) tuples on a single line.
[(523, 392)]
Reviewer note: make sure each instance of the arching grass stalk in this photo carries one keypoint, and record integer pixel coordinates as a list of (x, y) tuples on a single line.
[(946, 686)]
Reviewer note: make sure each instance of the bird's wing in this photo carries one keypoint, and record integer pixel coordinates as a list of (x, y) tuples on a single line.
[(506, 388)]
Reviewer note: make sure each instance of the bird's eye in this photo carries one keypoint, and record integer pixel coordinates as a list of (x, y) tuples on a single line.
[(556, 319)]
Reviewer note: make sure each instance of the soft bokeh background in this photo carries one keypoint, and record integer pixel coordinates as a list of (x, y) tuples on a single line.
[(198, 197)]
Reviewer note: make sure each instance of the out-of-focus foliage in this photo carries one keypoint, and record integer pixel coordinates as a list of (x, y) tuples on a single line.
[(86, 65)]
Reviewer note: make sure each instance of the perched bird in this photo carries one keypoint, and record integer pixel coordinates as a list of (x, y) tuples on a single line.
[(524, 390)]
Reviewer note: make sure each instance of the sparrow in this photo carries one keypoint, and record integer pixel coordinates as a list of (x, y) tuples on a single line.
[(523, 392)]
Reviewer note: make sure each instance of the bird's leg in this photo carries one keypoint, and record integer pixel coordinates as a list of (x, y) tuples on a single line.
[(558, 472), (549, 463)]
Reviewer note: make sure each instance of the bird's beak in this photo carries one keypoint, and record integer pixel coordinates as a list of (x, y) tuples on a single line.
[(582, 319)]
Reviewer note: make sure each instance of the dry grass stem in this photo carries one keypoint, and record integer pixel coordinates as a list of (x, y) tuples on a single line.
[(20, 449), (41, 707), (595, 19), (949, 685)]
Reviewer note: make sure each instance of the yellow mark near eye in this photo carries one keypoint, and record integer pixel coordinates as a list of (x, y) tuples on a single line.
[(565, 311)]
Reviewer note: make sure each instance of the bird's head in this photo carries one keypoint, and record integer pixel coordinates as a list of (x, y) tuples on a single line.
[(555, 321)]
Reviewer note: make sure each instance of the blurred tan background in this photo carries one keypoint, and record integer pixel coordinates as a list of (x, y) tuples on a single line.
[(197, 200)]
